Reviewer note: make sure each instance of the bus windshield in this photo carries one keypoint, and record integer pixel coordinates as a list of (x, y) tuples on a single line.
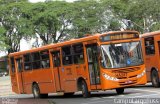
[(121, 55)]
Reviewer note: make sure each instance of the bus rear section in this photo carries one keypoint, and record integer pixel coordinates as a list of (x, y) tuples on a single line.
[(30, 73), (151, 52)]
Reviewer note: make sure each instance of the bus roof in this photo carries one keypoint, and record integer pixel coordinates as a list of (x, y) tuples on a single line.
[(150, 34), (54, 45), (72, 41)]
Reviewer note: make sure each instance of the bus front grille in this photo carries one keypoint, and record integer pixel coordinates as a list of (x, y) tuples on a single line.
[(127, 70)]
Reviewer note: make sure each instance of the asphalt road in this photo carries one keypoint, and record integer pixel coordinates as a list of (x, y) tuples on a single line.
[(136, 95)]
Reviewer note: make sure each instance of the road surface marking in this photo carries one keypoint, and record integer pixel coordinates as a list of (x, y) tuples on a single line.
[(140, 96), (148, 91)]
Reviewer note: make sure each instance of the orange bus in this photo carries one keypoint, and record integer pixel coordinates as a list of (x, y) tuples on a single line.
[(151, 51), (112, 60)]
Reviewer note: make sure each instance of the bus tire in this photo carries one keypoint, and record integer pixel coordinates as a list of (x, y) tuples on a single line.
[(36, 91), (155, 78), (85, 91), (120, 90)]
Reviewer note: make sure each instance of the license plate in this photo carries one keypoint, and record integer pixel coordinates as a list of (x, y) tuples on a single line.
[(120, 75), (128, 82)]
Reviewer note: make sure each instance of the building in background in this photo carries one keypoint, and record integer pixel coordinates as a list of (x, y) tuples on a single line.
[(3, 66)]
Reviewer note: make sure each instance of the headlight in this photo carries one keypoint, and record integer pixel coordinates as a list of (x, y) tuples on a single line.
[(142, 74), (109, 77)]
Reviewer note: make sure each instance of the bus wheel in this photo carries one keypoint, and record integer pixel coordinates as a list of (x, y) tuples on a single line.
[(155, 78), (120, 90), (85, 91), (36, 91)]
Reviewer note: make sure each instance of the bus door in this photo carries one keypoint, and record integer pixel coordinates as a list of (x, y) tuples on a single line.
[(56, 69), (93, 66), (13, 75), (19, 74)]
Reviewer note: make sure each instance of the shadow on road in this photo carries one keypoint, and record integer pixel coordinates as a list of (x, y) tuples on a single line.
[(103, 94), (94, 94), (148, 85)]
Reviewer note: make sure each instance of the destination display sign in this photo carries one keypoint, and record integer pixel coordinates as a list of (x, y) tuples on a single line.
[(120, 36)]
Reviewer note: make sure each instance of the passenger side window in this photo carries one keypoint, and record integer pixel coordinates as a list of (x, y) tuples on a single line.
[(67, 55), (19, 65), (56, 58), (45, 63), (36, 60), (78, 54), (149, 45), (12, 64), (27, 62)]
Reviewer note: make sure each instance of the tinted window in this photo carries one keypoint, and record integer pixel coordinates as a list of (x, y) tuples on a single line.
[(36, 60), (67, 55), (12, 64), (56, 59), (35, 56), (27, 62), (19, 65), (45, 62), (78, 53), (149, 45)]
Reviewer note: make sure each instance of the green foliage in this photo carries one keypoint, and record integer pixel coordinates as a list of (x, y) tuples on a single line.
[(3, 46), (144, 14), (56, 21), (50, 20), (14, 22), (87, 17)]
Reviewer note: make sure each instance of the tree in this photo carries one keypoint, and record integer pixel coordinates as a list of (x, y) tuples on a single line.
[(143, 14), (2, 39), (87, 18), (11, 18), (50, 20)]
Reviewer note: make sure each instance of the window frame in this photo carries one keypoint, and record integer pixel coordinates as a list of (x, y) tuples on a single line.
[(65, 56), (57, 58), (36, 60), (75, 54), (19, 64), (148, 44), (12, 64), (27, 63), (44, 59)]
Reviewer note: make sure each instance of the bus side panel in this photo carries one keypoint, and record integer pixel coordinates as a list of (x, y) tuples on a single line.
[(151, 61), (69, 78), (14, 83), (13, 77), (46, 82), (70, 86), (28, 81), (44, 79), (157, 49), (144, 57)]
